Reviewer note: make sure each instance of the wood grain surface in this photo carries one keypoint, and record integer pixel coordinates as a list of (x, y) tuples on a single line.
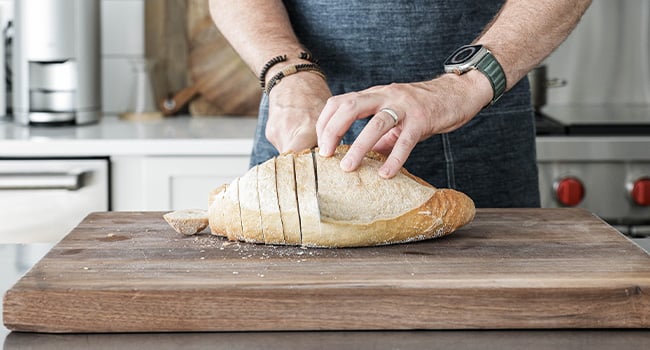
[(190, 53), (510, 268)]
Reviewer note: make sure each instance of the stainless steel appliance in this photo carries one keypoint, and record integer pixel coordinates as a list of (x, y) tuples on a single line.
[(594, 134), (41, 200), (56, 62), (598, 159)]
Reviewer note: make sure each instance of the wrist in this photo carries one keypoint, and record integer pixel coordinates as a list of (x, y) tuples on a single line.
[(277, 68), (473, 85), (279, 62)]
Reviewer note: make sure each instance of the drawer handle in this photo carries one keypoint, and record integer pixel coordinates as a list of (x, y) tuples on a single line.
[(41, 181)]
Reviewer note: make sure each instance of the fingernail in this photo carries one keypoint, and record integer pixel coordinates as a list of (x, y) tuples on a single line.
[(346, 164), (384, 172), (321, 150)]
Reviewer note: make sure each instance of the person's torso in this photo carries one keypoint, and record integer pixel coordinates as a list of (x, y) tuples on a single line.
[(365, 43)]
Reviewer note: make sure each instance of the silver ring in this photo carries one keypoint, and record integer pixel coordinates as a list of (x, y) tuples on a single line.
[(392, 113)]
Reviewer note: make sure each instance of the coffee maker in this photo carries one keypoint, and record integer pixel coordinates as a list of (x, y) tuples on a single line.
[(56, 62)]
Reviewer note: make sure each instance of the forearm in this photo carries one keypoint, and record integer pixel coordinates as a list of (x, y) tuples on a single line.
[(257, 29), (525, 32)]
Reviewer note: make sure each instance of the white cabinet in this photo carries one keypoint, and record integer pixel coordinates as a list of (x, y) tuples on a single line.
[(170, 183), (41, 200)]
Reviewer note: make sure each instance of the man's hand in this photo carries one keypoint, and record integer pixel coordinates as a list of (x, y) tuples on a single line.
[(423, 109)]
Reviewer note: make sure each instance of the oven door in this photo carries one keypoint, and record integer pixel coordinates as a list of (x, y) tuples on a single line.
[(41, 200)]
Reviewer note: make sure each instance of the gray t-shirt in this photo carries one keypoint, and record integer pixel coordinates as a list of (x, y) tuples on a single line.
[(364, 43)]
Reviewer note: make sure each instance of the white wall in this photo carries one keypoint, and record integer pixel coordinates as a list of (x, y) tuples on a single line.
[(122, 42)]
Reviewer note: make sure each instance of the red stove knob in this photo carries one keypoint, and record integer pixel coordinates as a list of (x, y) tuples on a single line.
[(569, 191), (641, 192)]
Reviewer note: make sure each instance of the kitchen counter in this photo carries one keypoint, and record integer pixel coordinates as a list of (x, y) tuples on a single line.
[(113, 136), (16, 259)]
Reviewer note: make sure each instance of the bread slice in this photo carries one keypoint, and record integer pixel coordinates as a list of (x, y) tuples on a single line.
[(216, 212), (187, 221), (287, 198), (249, 205), (339, 209), (307, 197), (268, 196), (224, 212)]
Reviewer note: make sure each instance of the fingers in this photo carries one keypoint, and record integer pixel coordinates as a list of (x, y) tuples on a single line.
[(403, 147), (339, 114), (291, 135), (378, 126), (387, 142)]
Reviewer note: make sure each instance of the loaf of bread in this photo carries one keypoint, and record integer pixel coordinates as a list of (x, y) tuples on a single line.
[(306, 199)]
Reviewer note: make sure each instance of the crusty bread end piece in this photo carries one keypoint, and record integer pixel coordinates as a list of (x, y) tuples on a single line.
[(187, 221)]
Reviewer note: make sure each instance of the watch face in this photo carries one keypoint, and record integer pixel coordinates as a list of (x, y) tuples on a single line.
[(463, 54)]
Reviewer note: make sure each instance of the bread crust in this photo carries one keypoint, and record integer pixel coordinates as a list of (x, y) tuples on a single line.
[(446, 211)]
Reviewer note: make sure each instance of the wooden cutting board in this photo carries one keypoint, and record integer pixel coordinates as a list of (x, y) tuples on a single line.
[(510, 268)]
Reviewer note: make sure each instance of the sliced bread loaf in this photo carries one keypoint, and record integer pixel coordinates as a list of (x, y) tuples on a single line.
[(322, 206)]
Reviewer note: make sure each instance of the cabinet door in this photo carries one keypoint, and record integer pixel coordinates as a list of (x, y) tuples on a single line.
[(171, 183), (41, 200)]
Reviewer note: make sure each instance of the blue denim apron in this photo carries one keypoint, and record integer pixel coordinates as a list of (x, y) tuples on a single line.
[(365, 43)]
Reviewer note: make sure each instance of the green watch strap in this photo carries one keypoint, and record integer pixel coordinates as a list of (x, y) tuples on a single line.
[(494, 72)]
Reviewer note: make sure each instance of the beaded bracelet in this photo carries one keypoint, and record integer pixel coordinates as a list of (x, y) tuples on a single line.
[(292, 69), (304, 55), (272, 62)]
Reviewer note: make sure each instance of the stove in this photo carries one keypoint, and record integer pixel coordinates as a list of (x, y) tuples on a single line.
[(597, 158)]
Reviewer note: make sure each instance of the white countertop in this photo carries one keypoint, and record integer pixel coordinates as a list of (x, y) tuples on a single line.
[(113, 136), (214, 136)]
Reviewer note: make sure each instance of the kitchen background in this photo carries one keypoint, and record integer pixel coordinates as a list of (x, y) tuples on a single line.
[(594, 154), (604, 61), (171, 164)]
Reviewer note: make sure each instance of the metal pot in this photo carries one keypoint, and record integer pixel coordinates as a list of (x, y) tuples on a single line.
[(538, 85)]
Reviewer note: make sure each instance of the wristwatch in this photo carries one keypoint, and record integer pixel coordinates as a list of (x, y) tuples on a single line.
[(469, 57)]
